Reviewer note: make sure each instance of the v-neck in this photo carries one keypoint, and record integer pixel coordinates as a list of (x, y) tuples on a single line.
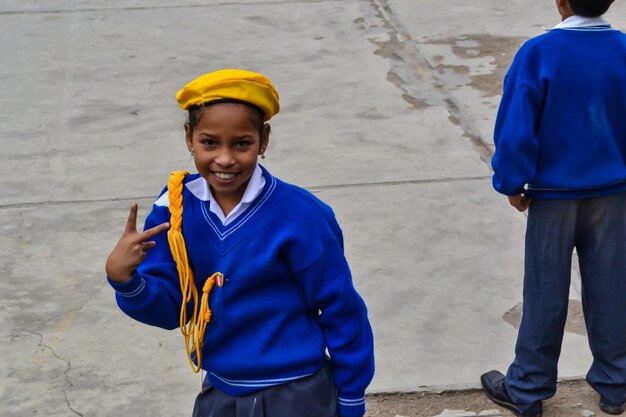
[(225, 237)]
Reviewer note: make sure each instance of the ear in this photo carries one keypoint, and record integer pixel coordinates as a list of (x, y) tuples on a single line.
[(188, 138), (265, 139), (564, 8)]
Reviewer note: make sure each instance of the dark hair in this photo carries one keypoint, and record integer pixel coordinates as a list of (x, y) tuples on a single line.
[(590, 8), (257, 115)]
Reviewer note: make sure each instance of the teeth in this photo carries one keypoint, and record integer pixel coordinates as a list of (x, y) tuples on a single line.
[(223, 176)]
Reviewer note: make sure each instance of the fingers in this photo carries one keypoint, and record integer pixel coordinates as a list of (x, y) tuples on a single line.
[(131, 224), (515, 201), (150, 233), (522, 205), (148, 245), (141, 248), (520, 202)]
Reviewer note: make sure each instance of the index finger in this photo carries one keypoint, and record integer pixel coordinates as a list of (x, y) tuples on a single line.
[(131, 224), (147, 234)]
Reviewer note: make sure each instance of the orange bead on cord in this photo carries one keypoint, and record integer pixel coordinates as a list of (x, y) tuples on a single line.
[(193, 329)]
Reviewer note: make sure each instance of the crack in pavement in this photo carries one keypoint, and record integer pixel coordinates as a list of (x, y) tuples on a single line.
[(165, 6), (150, 85), (65, 372), (67, 202), (74, 310), (413, 74), (404, 182), (310, 187)]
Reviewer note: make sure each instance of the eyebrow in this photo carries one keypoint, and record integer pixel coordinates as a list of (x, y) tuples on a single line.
[(209, 135)]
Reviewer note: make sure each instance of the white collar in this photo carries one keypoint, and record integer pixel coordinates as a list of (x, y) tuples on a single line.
[(253, 189), (200, 187), (201, 190), (574, 22), (255, 186)]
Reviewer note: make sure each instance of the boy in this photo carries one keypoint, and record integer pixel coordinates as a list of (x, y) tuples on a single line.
[(560, 139)]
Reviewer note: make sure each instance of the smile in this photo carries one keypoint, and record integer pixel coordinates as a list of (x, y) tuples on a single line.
[(225, 176)]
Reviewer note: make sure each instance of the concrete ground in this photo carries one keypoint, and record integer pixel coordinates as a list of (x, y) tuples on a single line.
[(388, 108)]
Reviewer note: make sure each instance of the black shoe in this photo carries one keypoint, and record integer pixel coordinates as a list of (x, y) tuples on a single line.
[(611, 409), (493, 384)]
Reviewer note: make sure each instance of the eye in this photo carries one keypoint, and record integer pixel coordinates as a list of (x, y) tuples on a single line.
[(244, 143), (207, 141)]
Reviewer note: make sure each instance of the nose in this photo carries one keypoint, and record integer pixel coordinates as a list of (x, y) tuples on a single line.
[(225, 158)]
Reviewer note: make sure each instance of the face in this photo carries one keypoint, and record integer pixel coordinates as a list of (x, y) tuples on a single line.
[(226, 144)]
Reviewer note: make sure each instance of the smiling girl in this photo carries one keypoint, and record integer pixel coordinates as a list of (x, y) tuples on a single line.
[(278, 327)]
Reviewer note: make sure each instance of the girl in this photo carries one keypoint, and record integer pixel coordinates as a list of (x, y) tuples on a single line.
[(259, 284)]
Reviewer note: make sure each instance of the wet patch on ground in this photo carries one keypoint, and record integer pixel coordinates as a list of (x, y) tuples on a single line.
[(478, 60), (462, 74)]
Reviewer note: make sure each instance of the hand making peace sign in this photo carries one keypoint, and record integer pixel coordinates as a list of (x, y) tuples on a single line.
[(131, 249)]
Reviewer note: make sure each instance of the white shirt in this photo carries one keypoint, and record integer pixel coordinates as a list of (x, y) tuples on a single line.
[(254, 188), (573, 22), (200, 188)]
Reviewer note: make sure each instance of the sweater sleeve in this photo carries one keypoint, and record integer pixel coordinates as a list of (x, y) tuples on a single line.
[(153, 295), (515, 136), (328, 286)]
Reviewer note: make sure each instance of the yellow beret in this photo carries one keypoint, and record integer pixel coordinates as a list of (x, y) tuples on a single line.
[(231, 84)]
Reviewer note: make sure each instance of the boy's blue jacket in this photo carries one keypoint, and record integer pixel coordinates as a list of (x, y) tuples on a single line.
[(287, 293), (561, 126)]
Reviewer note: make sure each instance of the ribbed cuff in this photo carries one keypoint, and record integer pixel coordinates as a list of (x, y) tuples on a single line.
[(132, 288), (351, 406)]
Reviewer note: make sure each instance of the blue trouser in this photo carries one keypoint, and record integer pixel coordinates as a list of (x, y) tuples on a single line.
[(313, 396), (596, 227)]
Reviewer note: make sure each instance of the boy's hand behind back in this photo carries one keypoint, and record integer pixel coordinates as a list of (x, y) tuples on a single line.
[(131, 248), (520, 201)]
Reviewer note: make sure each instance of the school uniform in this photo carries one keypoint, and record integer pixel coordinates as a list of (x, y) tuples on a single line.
[(287, 296), (313, 396), (560, 132)]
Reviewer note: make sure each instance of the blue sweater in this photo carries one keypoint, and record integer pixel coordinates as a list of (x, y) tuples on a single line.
[(561, 128), (287, 296)]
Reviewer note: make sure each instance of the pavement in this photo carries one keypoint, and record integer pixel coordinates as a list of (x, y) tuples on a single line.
[(387, 114)]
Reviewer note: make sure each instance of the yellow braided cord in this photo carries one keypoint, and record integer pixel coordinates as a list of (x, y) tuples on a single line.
[(205, 311), (192, 330)]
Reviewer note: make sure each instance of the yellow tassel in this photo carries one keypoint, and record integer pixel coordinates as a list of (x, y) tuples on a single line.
[(192, 329), (205, 311)]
